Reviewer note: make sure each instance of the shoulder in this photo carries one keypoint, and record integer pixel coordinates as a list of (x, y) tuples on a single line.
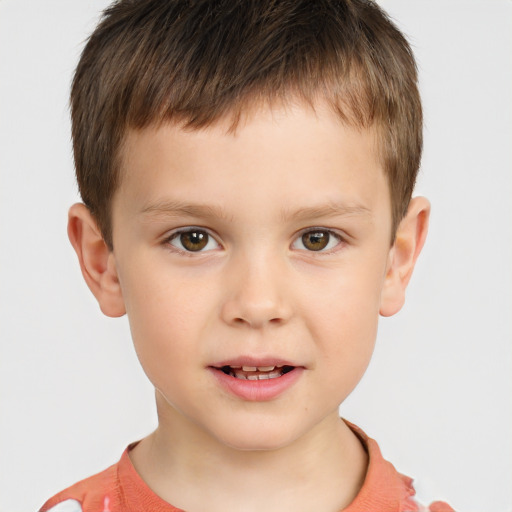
[(384, 488), (117, 489), (95, 493)]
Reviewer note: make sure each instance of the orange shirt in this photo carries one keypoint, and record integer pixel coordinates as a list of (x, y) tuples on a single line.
[(120, 489)]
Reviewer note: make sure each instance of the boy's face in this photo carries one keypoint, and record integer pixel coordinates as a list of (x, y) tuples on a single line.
[(267, 247)]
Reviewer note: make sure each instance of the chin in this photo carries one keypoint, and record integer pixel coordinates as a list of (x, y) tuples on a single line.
[(257, 437)]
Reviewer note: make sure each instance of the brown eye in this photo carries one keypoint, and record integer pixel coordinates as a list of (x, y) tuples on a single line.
[(194, 240), (315, 240)]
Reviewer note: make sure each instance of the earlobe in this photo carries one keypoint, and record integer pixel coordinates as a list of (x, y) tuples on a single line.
[(409, 241), (97, 261)]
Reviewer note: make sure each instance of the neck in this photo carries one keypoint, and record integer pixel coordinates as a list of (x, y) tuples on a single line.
[(322, 470)]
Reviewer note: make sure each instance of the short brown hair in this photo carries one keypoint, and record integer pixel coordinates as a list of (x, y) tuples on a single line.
[(197, 61)]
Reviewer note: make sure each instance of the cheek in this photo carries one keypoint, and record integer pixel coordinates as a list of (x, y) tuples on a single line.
[(343, 316), (348, 296), (167, 314), (346, 344)]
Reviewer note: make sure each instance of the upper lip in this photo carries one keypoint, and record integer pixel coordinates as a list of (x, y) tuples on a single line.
[(254, 362)]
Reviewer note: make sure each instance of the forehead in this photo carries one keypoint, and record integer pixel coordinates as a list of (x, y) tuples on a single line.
[(289, 154)]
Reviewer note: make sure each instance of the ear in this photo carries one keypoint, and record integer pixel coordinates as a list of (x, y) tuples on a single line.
[(97, 261), (409, 241)]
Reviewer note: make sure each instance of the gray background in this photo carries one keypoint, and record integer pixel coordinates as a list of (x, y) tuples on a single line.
[(437, 395)]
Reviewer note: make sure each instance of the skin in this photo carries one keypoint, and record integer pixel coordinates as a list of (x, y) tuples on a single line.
[(254, 290)]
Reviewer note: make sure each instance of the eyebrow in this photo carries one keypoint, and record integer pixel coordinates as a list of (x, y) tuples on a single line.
[(175, 208), (330, 209)]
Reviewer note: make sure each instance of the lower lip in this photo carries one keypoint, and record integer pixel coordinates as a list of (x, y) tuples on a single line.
[(257, 390)]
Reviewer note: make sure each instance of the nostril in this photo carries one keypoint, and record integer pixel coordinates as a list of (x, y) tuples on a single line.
[(256, 322)]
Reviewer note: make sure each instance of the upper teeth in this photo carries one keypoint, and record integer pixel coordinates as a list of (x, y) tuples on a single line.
[(257, 368), (248, 375), (255, 372)]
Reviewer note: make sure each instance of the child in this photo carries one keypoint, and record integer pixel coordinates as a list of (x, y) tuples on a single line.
[(247, 169)]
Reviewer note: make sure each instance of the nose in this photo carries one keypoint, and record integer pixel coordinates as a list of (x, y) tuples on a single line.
[(255, 294)]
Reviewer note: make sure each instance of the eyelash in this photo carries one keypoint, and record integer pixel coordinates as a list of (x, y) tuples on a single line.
[(167, 241), (176, 234), (318, 229)]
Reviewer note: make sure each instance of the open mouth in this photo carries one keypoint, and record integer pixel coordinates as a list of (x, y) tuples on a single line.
[(256, 372)]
